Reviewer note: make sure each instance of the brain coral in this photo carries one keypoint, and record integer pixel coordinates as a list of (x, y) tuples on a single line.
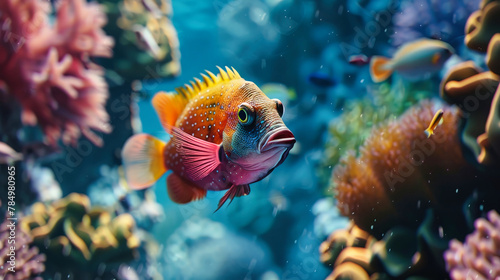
[(479, 256), (400, 172)]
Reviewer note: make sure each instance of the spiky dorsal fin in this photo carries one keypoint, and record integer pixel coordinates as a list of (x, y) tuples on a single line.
[(169, 106)]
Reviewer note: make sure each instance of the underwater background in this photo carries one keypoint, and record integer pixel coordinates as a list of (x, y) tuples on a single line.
[(363, 194)]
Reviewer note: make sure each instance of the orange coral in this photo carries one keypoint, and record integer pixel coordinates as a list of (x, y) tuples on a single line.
[(400, 172)]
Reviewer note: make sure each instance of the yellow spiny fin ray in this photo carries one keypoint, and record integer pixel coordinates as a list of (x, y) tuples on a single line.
[(207, 80), (214, 78), (170, 105), (196, 86), (223, 74)]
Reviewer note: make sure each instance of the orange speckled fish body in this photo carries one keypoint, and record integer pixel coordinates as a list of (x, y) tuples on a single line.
[(226, 134), (209, 117), (205, 117)]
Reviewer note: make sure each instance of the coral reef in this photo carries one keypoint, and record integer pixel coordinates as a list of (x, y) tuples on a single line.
[(479, 256), (400, 254), (482, 25), (147, 38), (353, 127), (328, 218), (476, 92), (48, 67), (28, 262), (44, 184), (111, 191), (84, 238), (399, 171)]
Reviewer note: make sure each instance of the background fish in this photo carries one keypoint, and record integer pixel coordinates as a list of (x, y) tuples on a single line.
[(413, 60), (226, 134), (436, 120), (321, 79), (359, 59)]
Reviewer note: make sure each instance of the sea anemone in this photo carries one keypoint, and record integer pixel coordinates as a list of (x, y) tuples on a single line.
[(48, 67), (353, 127), (400, 170), (28, 262), (479, 256)]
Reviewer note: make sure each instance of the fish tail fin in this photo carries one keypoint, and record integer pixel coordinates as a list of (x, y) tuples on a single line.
[(143, 160), (378, 68), (428, 132)]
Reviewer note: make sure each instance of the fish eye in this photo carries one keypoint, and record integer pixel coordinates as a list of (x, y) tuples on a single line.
[(279, 107), (246, 114)]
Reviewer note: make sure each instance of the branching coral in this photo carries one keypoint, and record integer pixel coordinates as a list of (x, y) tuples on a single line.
[(28, 262), (69, 229), (400, 172), (48, 67), (479, 256)]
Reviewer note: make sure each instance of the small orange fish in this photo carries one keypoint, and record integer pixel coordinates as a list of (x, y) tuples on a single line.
[(436, 120), (226, 134)]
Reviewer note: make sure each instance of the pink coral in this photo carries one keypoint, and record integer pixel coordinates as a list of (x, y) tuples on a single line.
[(48, 68), (29, 262), (479, 256)]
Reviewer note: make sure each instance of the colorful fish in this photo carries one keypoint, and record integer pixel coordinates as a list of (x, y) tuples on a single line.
[(413, 60), (436, 120), (359, 59), (225, 134)]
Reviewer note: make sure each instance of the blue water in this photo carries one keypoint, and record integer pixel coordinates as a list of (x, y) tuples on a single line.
[(294, 50)]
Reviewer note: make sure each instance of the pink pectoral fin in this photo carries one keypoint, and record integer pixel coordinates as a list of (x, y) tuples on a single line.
[(199, 157), (232, 193)]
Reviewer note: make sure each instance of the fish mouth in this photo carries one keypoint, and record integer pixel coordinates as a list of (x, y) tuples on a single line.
[(281, 137)]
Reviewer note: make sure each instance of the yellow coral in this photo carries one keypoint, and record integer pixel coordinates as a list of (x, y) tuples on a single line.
[(86, 236)]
